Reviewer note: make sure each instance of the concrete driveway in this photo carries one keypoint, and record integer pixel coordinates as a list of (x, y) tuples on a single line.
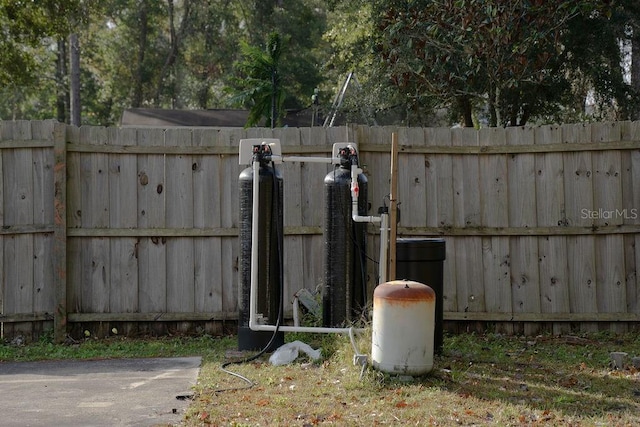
[(114, 392)]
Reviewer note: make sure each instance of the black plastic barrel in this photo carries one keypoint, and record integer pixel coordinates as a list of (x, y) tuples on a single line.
[(422, 260), (270, 234)]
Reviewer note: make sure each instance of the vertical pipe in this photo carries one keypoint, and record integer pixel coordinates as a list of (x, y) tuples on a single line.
[(384, 247), (253, 294), (393, 206)]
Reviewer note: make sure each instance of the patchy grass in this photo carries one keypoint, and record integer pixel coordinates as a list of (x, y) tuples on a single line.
[(115, 347), (478, 380)]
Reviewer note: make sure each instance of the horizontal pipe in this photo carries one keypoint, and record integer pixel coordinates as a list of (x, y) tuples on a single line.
[(360, 218), (305, 329), (308, 159), (277, 158)]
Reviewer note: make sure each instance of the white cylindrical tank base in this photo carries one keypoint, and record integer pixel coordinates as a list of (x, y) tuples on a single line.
[(403, 327)]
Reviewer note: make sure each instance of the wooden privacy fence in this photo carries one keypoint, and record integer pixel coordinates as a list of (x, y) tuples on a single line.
[(138, 227)]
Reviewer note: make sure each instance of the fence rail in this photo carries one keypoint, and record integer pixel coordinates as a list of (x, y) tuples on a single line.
[(139, 226)]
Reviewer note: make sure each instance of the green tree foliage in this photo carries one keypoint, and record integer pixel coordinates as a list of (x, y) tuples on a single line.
[(208, 54), (26, 25), (301, 24), (348, 40), (180, 53), (512, 60), (27, 54), (594, 65), (468, 53), (259, 84), (505, 62)]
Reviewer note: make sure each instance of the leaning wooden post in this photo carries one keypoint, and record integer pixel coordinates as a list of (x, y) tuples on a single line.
[(393, 214), (60, 231)]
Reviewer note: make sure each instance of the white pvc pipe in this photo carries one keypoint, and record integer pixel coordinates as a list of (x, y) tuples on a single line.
[(355, 189), (277, 158), (383, 219), (307, 159), (253, 290), (305, 329), (384, 238), (296, 308)]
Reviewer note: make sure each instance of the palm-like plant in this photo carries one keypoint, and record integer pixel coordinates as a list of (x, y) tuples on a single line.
[(258, 85)]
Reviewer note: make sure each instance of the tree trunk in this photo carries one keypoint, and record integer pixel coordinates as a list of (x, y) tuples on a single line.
[(62, 88), (465, 109), (493, 115), (526, 113), (136, 102), (175, 41), (635, 72), (203, 96), (74, 81)]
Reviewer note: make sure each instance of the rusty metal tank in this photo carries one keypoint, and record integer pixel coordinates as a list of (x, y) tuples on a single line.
[(403, 328)]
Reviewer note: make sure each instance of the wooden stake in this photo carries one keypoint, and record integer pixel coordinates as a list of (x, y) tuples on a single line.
[(393, 214)]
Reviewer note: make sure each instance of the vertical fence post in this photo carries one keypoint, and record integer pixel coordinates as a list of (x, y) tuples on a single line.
[(60, 231)]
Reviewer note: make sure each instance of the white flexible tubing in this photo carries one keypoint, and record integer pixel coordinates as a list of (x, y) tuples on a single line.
[(253, 303)]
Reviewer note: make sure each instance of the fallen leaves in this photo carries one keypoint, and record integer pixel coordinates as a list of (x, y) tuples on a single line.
[(401, 404), (263, 402)]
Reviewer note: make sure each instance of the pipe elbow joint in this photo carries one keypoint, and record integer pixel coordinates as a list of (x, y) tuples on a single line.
[(371, 219)]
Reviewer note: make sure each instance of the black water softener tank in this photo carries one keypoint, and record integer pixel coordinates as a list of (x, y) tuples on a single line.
[(344, 288), (270, 237)]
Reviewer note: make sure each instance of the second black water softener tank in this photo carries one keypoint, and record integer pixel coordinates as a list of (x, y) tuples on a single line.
[(344, 290)]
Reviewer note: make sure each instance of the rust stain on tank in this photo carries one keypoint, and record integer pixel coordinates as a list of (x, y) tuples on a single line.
[(403, 292)]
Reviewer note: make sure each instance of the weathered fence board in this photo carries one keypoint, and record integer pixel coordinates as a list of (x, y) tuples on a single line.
[(19, 199), (26, 290), (412, 172), (208, 284), (4, 308), (294, 188), (151, 251), (123, 214), (179, 214), (542, 224), (634, 278), (229, 218), (582, 279), (549, 183), (496, 265), (494, 213), (578, 196), (43, 213)]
